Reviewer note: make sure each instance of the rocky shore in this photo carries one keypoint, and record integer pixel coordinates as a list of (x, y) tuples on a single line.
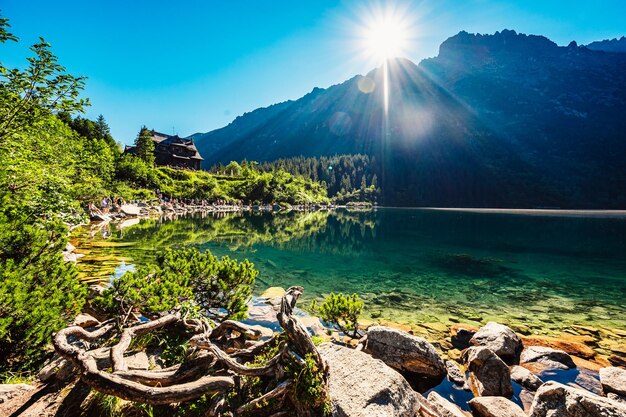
[(140, 210), (490, 371)]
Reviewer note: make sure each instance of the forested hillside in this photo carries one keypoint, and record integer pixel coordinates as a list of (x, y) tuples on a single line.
[(503, 120), (346, 177)]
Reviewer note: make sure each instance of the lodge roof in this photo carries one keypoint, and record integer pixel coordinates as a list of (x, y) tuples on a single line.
[(169, 144)]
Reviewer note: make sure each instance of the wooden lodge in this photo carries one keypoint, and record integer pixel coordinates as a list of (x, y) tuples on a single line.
[(173, 151)]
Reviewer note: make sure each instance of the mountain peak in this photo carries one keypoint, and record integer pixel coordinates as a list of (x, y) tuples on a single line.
[(609, 45), (506, 40)]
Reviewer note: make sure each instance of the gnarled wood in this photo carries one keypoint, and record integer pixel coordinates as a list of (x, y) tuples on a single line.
[(248, 332), (268, 369), (279, 392), (213, 370), (297, 334), (117, 352)]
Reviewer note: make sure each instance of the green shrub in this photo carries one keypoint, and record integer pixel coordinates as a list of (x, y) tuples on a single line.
[(343, 311), (184, 274), (39, 292)]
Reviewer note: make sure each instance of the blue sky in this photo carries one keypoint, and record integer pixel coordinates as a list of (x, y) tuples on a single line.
[(193, 66)]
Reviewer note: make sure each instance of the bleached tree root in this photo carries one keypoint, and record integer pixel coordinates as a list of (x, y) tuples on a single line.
[(211, 371)]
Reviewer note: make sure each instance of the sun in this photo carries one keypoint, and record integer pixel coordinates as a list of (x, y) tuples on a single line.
[(385, 33), (385, 39)]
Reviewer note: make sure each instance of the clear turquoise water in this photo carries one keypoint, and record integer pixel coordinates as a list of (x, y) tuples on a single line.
[(423, 268)]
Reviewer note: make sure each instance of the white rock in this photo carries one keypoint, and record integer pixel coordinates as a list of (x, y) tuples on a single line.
[(495, 407), (558, 400), (613, 380), (405, 352), (361, 386)]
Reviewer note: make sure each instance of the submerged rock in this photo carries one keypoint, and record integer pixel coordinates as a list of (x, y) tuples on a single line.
[(489, 375), (443, 407), (613, 380), (405, 352), (525, 378), (500, 339), (571, 345), (558, 400), (553, 358), (362, 386), (495, 407)]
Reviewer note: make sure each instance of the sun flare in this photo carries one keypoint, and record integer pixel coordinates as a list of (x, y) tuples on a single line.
[(385, 39), (385, 33)]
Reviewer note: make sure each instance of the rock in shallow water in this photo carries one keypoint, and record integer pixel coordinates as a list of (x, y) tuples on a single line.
[(489, 375), (443, 407), (613, 380), (558, 400), (525, 378), (454, 373), (405, 352), (500, 339), (495, 407), (361, 386), (556, 359)]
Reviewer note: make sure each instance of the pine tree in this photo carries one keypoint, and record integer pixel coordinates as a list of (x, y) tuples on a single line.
[(145, 146)]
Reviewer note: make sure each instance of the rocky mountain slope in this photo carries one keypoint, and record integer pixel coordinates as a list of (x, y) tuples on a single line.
[(504, 120)]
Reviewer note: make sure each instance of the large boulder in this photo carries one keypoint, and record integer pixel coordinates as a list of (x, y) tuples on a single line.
[(613, 380), (525, 378), (495, 407), (443, 407), (500, 339), (405, 352), (556, 359), (558, 400), (489, 375), (362, 386)]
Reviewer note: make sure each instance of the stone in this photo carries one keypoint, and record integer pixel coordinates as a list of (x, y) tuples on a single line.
[(617, 347), (556, 359), (500, 339), (405, 352), (461, 334), (526, 398), (361, 386), (617, 361), (613, 380), (525, 378), (8, 391), (454, 373), (85, 320), (138, 361), (272, 292), (443, 407), (557, 400), (616, 397), (495, 407), (570, 346), (489, 375)]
